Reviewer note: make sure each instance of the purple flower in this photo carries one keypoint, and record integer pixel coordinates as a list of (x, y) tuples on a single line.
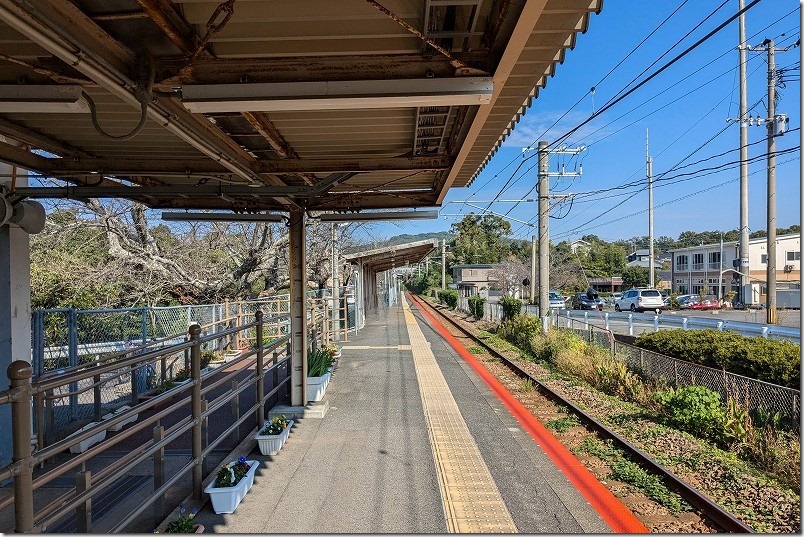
[(181, 508), (241, 458)]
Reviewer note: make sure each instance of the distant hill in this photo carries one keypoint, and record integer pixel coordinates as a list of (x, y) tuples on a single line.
[(400, 239)]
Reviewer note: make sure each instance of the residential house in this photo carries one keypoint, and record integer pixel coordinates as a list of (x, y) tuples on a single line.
[(472, 280), (703, 267)]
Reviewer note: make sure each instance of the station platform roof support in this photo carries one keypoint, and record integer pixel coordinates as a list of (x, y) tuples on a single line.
[(248, 107), (370, 263)]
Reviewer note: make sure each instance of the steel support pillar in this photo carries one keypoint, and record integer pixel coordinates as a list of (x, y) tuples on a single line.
[(15, 305), (298, 310)]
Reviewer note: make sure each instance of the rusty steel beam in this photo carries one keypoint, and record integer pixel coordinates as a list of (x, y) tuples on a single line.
[(267, 130), (178, 30), (258, 70), (155, 167)]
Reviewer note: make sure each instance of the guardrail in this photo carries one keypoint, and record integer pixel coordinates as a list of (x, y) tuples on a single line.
[(658, 322)]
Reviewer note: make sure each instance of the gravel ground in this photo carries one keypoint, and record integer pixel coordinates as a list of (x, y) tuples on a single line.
[(759, 502)]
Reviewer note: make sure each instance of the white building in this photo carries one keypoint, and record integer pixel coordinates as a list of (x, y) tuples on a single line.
[(699, 267)]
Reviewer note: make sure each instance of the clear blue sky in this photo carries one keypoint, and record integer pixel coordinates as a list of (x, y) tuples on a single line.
[(684, 109)]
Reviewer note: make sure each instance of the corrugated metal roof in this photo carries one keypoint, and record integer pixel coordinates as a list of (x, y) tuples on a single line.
[(391, 156)]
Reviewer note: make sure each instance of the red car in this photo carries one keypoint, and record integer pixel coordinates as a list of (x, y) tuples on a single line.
[(709, 302)]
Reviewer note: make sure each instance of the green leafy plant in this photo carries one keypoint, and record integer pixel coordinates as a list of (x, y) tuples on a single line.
[(448, 297), (318, 362), (231, 474), (695, 409), (183, 524), (208, 356), (182, 375), (476, 306), (275, 426), (511, 307)]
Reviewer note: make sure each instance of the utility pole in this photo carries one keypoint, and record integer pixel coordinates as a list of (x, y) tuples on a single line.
[(443, 265), (720, 273), (649, 171), (533, 269), (770, 301), (544, 240), (777, 126), (544, 210), (745, 282)]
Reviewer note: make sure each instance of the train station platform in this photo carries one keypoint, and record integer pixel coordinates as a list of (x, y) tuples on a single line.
[(413, 441)]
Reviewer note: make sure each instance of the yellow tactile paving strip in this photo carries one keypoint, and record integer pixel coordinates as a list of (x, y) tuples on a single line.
[(472, 503)]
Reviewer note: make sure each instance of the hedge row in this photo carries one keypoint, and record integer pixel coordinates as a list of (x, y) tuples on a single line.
[(777, 362), (476, 306)]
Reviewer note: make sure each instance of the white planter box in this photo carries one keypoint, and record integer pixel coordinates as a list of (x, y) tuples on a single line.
[(316, 386), (226, 499), (231, 355), (116, 413), (82, 446), (270, 444)]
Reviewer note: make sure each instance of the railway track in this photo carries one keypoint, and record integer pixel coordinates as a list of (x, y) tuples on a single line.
[(725, 520)]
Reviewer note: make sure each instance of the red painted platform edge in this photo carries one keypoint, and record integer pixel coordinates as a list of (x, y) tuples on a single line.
[(613, 512)]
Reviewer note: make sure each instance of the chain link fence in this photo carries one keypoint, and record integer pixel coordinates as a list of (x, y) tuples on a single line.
[(753, 394)]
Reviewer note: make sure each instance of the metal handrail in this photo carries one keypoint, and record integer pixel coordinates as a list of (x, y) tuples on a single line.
[(22, 392)]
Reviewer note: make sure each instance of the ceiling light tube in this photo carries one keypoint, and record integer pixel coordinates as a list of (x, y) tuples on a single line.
[(389, 215), (222, 217), (41, 99), (337, 95)]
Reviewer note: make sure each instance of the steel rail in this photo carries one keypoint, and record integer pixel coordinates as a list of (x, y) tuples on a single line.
[(720, 516)]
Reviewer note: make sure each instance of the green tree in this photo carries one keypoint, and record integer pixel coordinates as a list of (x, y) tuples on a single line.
[(603, 259), (480, 239), (635, 277)]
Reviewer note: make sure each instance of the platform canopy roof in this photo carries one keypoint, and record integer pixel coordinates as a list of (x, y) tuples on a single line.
[(253, 105), (382, 259)]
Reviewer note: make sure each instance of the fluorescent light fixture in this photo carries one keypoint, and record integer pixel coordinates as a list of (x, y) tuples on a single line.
[(223, 217), (389, 215), (24, 98), (337, 95)]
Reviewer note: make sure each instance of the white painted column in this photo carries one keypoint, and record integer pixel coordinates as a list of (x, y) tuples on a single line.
[(298, 310), (15, 305)]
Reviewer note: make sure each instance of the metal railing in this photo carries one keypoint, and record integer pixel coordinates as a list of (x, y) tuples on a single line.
[(750, 392), (260, 370), (627, 322)]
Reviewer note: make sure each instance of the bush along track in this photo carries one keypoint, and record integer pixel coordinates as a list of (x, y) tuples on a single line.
[(744, 464)]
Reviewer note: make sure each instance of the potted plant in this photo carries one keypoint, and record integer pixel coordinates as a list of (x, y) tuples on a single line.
[(231, 484), (273, 435), (333, 350), (319, 363), (185, 523)]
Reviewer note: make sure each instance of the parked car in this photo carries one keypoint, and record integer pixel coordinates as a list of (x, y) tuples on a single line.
[(685, 301), (640, 300), (556, 300), (665, 298), (709, 302), (581, 301)]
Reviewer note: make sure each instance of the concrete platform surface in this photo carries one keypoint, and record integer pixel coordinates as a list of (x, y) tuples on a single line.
[(367, 466)]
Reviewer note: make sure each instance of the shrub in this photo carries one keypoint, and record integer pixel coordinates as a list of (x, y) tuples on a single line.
[(476, 306), (773, 361), (695, 409), (448, 297), (511, 307)]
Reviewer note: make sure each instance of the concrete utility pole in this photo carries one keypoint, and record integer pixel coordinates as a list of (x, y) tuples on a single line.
[(777, 126), (533, 269), (443, 264), (649, 170), (544, 240), (745, 282), (770, 301)]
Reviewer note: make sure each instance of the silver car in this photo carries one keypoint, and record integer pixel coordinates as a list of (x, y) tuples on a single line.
[(640, 300)]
